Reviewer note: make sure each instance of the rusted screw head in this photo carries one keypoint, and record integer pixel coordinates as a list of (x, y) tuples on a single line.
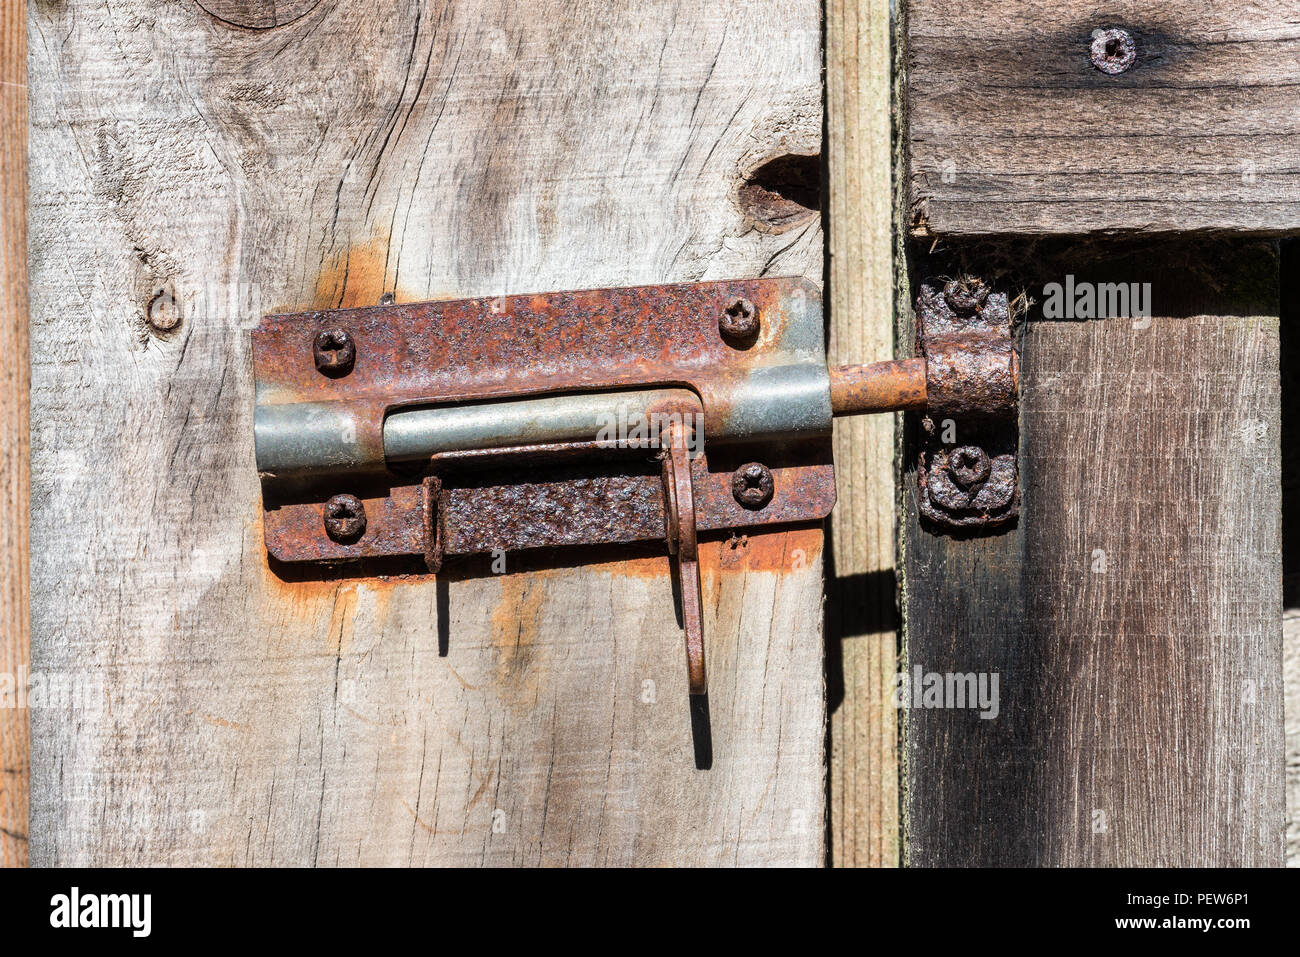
[(334, 351), (739, 321), (1113, 50), (968, 465), (751, 485), (965, 295), (345, 518)]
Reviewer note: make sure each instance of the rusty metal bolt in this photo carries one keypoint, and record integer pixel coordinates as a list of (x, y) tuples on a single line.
[(739, 320), (966, 295), (751, 485), (1113, 50), (334, 352), (345, 518), (968, 465)]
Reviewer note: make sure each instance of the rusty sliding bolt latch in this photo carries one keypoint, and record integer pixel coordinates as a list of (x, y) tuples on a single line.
[(604, 416)]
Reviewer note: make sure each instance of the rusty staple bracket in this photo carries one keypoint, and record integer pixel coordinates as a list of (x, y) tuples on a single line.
[(428, 430), (967, 474)]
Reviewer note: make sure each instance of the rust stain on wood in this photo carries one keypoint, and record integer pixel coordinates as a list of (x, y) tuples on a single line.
[(484, 782), (411, 811), (780, 552), (356, 277), (217, 722), (784, 551), (514, 628)]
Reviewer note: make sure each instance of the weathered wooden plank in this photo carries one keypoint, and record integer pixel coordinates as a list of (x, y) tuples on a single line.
[(186, 166), (1012, 129), (862, 620), (1133, 616), (14, 611), (1291, 685), (1290, 355)]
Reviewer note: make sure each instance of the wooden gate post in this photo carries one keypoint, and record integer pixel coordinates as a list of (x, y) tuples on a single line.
[(1133, 617), (862, 589)]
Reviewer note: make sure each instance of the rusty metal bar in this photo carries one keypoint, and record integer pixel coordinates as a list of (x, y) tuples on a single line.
[(894, 386)]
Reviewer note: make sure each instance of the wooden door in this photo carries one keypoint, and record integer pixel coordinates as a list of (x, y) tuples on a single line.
[(195, 165), (1134, 614)]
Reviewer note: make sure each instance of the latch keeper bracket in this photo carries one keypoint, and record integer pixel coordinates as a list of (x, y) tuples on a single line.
[(967, 468)]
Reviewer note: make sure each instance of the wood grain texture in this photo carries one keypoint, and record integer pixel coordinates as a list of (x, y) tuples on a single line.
[(431, 150), (1291, 685), (861, 612), (14, 610), (1290, 353), (1133, 616), (1013, 130)]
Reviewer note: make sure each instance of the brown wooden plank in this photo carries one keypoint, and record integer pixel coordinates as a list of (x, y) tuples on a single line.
[(1290, 354), (1013, 130), (1291, 685), (14, 612), (1133, 616), (349, 149), (862, 621)]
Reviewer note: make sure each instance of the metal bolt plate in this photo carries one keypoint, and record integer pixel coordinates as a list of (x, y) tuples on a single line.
[(538, 496)]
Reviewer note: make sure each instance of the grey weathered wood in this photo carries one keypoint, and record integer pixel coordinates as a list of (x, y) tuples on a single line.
[(1133, 616), (1013, 130), (432, 150)]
